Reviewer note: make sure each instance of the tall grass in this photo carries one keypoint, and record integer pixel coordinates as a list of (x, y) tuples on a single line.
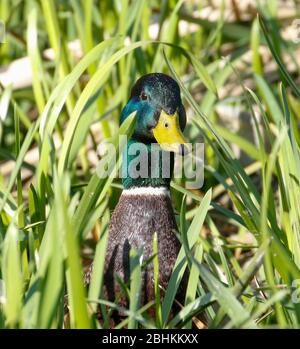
[(54, 210)]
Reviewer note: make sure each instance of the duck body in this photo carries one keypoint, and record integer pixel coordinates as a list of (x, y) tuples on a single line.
[(145, 205), (140, 213)]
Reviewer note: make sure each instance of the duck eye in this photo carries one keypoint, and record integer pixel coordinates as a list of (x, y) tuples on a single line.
[(166, 125), (143, 96)]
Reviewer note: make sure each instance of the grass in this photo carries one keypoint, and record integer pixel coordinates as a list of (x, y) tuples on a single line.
[(240, 233)]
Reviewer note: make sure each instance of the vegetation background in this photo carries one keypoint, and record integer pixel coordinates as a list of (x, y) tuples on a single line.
[(66, 68)]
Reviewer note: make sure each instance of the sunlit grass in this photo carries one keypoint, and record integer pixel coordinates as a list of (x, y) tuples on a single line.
[(54, 209)]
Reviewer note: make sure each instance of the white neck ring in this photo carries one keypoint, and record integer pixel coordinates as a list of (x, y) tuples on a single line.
[(147, 191)]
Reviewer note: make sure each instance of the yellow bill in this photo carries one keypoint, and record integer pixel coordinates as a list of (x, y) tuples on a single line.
[(168, 134)]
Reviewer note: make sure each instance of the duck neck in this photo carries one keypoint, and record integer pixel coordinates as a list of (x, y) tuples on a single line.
[(146, 165)]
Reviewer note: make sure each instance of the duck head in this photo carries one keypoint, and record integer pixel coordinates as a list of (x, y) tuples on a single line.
[(160, 115)]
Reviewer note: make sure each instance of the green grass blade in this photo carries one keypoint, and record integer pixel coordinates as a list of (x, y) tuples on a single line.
[(97, 277), (158, 311), (180, 264), (76, 293), (35, 59), (286, 76), (135, 284), (11, 266), (96, 186)]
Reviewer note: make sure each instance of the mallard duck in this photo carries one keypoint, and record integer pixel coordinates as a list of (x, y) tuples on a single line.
[(145, 205)]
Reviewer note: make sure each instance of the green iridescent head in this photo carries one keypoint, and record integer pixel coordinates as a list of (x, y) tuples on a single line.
[(160, 118), (160, 114)]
